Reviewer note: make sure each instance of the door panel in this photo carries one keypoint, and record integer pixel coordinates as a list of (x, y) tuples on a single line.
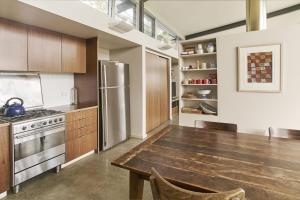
[(157, 98), (164, 90), (116, 124)]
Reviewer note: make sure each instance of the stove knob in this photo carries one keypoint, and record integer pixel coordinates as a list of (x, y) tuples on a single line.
[(44, 123), (32, 125), (60, 119), (24, 128), (50, 122), (55, 120)]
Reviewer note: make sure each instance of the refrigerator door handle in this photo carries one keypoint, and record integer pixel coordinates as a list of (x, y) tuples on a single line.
[(106, 119), (104, 75)]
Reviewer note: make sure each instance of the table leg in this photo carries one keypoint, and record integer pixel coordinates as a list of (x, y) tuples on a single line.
[(136, 186)]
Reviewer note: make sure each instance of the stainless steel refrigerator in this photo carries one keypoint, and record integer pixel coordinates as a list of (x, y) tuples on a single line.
[(114, 101)]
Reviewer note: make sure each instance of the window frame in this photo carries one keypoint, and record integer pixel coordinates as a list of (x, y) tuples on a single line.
[(108, 6), (135, 7), (153, 23)]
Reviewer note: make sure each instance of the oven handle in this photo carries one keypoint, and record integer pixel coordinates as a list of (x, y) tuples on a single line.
[(37, 134)]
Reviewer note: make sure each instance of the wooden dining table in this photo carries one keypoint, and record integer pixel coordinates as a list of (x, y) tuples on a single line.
[(215, 161)]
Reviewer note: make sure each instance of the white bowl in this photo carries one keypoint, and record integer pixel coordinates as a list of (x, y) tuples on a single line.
[(204, 92)]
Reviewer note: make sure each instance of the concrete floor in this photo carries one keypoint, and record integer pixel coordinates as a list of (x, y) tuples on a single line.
[(92, 178)]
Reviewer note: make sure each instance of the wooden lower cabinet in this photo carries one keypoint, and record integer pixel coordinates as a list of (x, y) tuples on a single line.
[(81, 132), (4, 158)]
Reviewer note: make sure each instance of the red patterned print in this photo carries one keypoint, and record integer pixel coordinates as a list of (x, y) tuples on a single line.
[(260, 67)]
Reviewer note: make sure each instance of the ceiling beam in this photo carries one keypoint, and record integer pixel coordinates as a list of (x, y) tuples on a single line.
[(242, 22)]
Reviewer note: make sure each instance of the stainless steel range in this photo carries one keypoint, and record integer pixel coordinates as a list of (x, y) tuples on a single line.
[(38, 144)]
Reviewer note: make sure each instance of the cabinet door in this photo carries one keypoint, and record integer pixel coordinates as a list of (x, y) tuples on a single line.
[(81, 132), (88, 143), (13, 46), (164, 90), (157, 92), (73, 54), (152, 92), (73, 149), (44, 50), (4, 159)]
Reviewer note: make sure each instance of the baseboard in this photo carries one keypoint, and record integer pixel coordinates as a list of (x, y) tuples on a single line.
[(77, 159), (3, 194)]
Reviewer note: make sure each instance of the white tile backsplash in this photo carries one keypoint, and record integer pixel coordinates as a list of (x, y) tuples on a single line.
[(57, 89)]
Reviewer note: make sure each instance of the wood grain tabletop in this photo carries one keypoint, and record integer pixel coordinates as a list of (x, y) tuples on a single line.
[(210, 160)]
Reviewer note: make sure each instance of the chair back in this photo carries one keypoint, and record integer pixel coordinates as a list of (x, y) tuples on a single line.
[(216, 126), (284, 133), (163, 190)]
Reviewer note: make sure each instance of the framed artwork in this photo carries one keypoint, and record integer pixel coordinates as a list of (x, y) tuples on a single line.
[(259, 68)]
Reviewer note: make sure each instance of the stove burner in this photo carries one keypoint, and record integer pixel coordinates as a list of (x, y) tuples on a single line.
[(30, 114)]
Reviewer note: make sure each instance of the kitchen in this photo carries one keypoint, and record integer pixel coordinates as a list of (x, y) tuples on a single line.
[(53, 93), (81, 87)]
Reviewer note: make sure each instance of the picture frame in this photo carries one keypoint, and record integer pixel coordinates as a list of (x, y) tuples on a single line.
[(259, 68)]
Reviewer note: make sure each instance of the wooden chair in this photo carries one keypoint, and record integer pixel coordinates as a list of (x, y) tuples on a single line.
[(163, 190), (216, 126), (284, 133)]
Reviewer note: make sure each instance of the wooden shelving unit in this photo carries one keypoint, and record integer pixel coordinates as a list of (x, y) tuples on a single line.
[(199, 84), (195, 72), (198, 55), (198, 99)]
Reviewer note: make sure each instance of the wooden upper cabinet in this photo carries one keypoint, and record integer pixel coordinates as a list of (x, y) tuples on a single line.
[(4, 158), (73, 54), (44, 50), (13, 46)]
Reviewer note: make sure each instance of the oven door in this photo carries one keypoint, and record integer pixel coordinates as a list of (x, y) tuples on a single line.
[(34, 147)]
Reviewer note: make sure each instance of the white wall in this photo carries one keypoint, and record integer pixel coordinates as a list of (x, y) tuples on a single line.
[(257, 111), (57, 89), (103, 54), (135, 58), (281, 21)]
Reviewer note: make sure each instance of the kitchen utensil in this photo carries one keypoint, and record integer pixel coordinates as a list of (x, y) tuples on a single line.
[(210, 48), (208, 109), (74, 96), (203, 94), (200, 49), (14, 109), (213, 65), (189, 95)]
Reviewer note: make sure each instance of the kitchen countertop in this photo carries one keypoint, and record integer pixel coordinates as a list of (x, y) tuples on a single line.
[(71, 108), (3, 123)]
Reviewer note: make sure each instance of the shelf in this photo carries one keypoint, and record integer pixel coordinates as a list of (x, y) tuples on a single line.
[(197, 99), (194, 42), (197, 55), (199, 84), (174, 100), (192, 70), (203, 114)]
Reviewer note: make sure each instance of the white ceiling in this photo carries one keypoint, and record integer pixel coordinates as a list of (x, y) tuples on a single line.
[(191, 16), (24, 13)]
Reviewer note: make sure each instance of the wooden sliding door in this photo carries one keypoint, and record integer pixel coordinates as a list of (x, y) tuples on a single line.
[(157, 84)]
